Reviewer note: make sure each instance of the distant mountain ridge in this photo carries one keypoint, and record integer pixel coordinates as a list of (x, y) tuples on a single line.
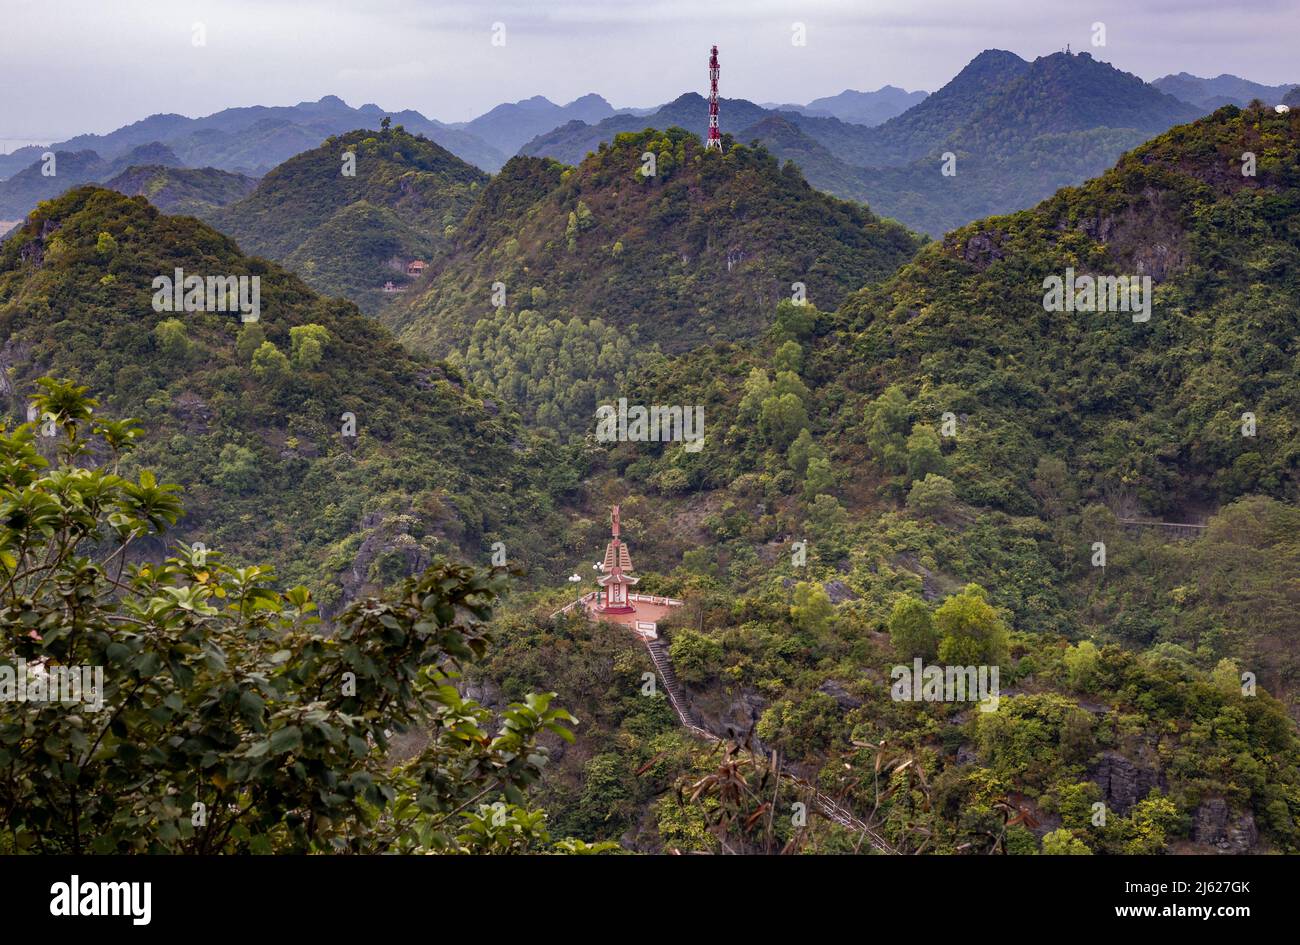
[(20, 193), (1225, 89), (198, 192), (867, 146), (1069, 116), (858, 108), (252, 140), (509, 126)]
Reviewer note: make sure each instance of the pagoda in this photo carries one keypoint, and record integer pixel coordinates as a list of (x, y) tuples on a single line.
[(615, 580)]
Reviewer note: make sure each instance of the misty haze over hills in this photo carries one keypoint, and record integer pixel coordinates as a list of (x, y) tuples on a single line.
[(876, 147)]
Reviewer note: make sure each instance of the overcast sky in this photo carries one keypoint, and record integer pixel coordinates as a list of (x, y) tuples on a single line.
[(72, 66)]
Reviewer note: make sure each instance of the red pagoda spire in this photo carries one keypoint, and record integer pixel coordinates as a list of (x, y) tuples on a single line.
[(714, 139), (617, 583)]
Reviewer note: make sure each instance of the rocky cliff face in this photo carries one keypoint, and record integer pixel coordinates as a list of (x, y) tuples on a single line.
[(1123, 782), (1215, 824)]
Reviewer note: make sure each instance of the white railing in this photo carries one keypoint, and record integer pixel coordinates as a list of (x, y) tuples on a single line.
[(648, 599), (581, 600), (641, 598)]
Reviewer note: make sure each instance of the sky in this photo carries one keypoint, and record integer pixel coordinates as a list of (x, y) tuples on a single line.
[(74, 66)]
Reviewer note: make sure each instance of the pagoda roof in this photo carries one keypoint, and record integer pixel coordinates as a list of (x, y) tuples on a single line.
[(617, 577), (616, 556)]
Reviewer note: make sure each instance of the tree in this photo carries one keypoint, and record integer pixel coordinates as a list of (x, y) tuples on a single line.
[(932, 496), (250, 339), (828, 520), (1226, 677), (794, 321), (696, 657), (781, 418), (1052, 486), (911, 629), (756, 390), (224, 721), (269, 362), (307, 345), (1081, 664), (801, 450), (971, 630), (1147, 828), (1064, 843), (811, 609), (788, 357), (885, 422), (820, 479), (172, 339), (923, 453), (237, 471)]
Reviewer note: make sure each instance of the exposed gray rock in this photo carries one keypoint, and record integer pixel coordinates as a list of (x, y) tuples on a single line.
[(727, 713), (843, 698), (1214, 824), (1123, 783), (839, 592)]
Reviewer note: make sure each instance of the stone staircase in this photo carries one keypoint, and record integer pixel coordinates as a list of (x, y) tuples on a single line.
[(829, 808), (676, 696)]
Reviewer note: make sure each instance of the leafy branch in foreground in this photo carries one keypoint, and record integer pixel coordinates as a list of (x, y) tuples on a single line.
[(221, 719)]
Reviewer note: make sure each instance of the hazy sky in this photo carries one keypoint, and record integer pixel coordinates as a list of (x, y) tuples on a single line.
[(71, 66)]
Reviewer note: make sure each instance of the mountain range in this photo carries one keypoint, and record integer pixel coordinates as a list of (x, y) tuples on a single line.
[(1210, 94), (858, 108), (947, 450), (1062, 117), (253, 140), (877, 147), (702, 249)]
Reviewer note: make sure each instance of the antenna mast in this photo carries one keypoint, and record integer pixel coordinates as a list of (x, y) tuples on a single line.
[(714, 139)]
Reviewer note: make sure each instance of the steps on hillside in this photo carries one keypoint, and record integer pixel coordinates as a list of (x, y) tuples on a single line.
[(677, 699), (676, 695)]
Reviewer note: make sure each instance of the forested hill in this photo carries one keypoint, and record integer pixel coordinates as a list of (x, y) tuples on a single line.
[(1151, 410), (942, 469), (700, 251), (249, 417), (183, 190), (349, 234)]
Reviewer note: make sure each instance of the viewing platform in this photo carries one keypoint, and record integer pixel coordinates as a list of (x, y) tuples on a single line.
[(614, 601)]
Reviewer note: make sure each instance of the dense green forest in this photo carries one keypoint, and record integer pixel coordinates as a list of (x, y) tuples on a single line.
[(250, 416), (700, 250), (919, 460), (196, 192), (1121, 684)]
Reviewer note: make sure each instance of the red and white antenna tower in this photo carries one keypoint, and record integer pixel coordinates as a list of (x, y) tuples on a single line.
[(715, 139)]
